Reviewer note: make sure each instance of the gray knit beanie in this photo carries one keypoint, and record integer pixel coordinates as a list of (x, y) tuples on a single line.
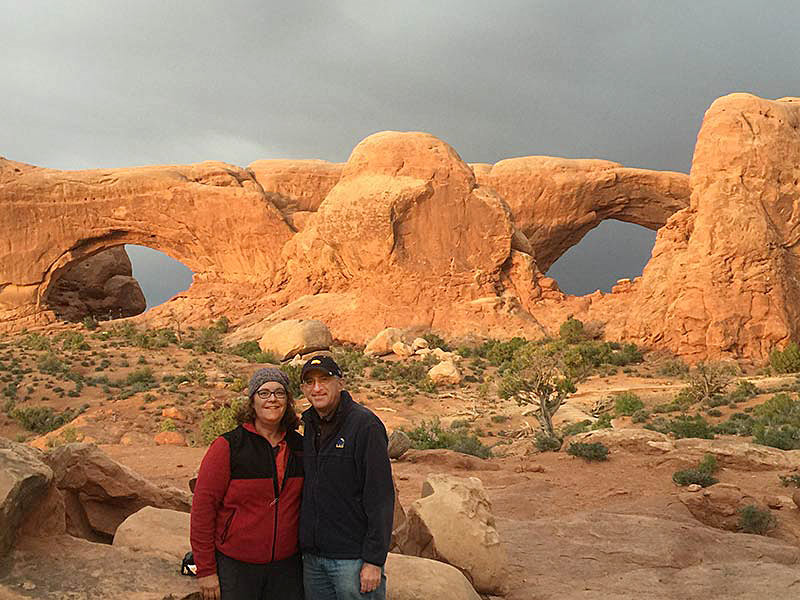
[(264, 375)]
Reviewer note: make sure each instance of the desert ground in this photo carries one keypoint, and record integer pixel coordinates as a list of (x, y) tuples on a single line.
[(153, 399)]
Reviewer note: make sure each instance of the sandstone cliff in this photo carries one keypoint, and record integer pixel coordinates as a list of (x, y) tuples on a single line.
[(407, 234)]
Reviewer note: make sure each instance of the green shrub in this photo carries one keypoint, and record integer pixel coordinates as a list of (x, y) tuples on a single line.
[(785, 437), (49, 363), (221, 325), (790, 480), (221, 420), (547, 443), (35, 341), (208, 339), (352, 361), (293, 373), (786, 360), (430, 435), (43, 419), (627, 403), (499, 418), (595, 451), (673, 367), (753, 519), (71, 340), (640, 416), (744, 391), (436, 341), (603, 422), (576, 428), (252, 353), (572, 331), (90, 323), (702, 474), (685, 426), (168, 425), (737, 424)]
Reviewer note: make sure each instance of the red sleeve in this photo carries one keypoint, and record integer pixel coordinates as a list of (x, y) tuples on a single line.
[(212, 483)]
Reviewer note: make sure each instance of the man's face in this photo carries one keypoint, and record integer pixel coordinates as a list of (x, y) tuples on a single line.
[(322, 390)]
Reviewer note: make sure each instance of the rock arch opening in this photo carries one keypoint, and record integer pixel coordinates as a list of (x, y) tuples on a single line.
[(160, 276), (611, 251), (116, 282)]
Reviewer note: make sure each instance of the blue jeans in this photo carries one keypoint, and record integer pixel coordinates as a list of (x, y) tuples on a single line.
[(337, 579)]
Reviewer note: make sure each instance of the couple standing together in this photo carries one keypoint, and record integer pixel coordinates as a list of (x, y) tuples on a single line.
[(264, 494)]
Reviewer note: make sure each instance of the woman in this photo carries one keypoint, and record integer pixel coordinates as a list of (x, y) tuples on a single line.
[(247, 501)]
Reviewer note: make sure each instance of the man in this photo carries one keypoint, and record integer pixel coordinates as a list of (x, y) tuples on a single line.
[(348, 494)]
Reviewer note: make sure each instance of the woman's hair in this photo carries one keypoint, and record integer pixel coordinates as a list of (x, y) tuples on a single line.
[(289, 421)]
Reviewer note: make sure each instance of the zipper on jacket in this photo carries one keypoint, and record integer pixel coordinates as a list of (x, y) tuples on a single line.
[(277, 490), (227, 526)]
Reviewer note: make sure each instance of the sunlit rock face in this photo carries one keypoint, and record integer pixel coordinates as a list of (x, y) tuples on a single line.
[(406, 234)]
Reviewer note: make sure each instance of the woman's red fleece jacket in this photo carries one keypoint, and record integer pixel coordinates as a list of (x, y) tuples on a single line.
[(247, 499)]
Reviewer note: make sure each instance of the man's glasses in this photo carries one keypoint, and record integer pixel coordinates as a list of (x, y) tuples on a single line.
[(279, 394)]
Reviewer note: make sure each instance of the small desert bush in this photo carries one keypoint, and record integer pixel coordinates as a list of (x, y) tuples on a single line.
[(673, 367), (547, 443), (221, 420), (572, 331), (430, 435), (43, 419), (71, 340), (792, 480), (683, 426), (640, 416), (576, 428), (595, 451), (352, 361), (702, 474), (436, 341), (35, 341), (252, 352), (626, 404), (753, 519), (786, 360), (744, 391)]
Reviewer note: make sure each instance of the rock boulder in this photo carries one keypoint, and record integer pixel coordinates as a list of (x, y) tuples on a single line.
[(414, 578), (100, 493), (24, 481), (158, 531), (293, 336), (453, 522)]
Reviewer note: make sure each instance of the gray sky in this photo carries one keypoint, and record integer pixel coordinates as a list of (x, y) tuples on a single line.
[(111, 83)]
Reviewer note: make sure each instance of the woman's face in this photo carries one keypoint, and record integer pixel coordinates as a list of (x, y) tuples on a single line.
[(269, 403)]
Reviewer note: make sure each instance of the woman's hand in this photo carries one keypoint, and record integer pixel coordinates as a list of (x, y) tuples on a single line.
[(209, 587)]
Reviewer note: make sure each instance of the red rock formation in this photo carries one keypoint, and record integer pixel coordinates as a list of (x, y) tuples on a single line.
[(724, 279), (406, 234), (101, 286), (556, 201)]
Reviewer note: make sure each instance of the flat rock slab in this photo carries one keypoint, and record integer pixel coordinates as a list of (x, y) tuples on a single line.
[(67, 568), (608, 555)]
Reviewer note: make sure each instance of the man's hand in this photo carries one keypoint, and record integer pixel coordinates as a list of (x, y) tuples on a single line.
[(370, 577), (209, 586)]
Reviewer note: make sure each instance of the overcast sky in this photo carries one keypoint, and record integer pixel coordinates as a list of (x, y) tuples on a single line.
[(111, 83)]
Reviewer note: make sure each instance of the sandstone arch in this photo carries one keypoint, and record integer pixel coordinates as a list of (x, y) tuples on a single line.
[(212, 217), (557, 201)]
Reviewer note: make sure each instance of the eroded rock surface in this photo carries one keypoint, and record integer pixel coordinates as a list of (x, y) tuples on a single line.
[(100, 493), (405, 234), (453, 522), (24, 480), (101, 286)]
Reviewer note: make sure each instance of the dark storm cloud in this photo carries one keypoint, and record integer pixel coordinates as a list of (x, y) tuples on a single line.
[(111, 83)]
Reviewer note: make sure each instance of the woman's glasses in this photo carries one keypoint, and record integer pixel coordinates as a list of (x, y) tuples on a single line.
[(279, 394)]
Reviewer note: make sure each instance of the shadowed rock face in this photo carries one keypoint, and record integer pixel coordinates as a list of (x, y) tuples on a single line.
[(100, 286), (406, 234)]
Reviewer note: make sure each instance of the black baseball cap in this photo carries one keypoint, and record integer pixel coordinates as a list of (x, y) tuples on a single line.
[(321, 363)]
